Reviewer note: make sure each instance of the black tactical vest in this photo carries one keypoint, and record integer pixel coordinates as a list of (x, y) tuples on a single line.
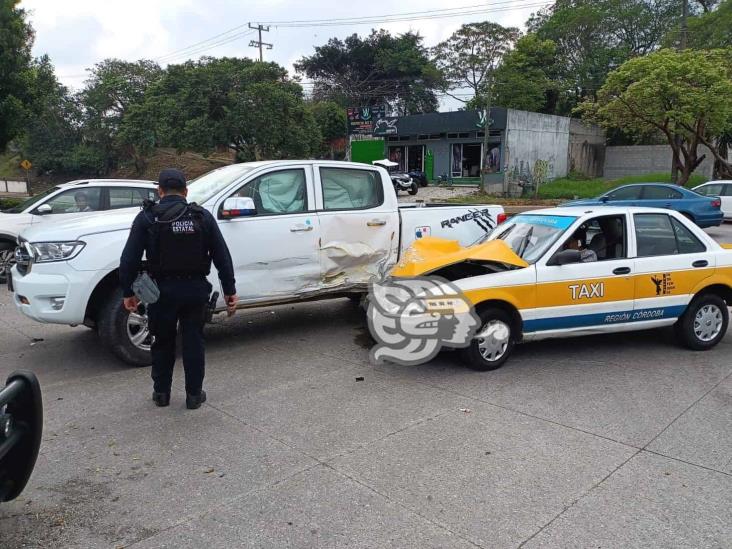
[(178, 241)]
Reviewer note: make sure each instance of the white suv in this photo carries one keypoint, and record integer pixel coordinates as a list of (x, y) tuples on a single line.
[(74, 198)]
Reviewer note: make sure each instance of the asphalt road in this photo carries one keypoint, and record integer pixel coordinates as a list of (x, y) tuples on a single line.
[(613, 441)]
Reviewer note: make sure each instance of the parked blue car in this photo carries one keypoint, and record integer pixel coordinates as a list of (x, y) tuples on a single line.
[(705, 211)]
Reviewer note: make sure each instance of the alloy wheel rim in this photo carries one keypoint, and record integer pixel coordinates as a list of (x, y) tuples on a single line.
[(138, 331), (493, 340), (708, 322), (7, 260)]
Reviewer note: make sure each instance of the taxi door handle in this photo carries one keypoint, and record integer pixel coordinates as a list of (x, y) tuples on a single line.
[(621, 271), (300, 228), (700, 263), (376, 223)]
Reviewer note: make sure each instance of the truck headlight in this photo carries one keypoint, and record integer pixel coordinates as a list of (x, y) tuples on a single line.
[(44, 252)]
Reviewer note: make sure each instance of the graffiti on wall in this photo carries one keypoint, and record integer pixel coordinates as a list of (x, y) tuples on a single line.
[(529, 177)]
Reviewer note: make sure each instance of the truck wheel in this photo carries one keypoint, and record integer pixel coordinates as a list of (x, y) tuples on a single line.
[(125, 334), (7, 259), (413, 189), (704, 323), (493, 343)]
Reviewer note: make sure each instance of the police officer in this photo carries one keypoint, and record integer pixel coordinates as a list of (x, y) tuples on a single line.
[(180, 240)]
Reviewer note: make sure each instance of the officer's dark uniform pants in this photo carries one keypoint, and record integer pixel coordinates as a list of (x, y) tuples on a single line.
[(182, 300)]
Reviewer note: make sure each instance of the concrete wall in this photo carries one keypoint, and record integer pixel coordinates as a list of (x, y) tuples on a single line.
[(586, 153), (639, 159), (15, 187), (532, 137)]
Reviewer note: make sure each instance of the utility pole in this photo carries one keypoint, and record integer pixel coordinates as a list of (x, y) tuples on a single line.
[(682, 46), (259, 43), (486, 134)]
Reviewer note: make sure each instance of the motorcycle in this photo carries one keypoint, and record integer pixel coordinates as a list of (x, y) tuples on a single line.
[(401, 181)]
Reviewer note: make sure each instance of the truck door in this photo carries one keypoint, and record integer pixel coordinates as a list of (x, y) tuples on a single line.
[(275, 251), (359, 225)]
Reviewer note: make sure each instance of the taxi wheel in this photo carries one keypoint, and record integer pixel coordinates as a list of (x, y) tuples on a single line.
[(492, 344), (704, 323)]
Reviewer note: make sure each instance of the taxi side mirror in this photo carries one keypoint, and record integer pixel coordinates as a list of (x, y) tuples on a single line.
[(238, 206), (565, 257), (44, 209)]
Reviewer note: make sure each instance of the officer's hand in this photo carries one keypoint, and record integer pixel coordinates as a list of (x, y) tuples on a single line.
[(231, 301), (131, 303)]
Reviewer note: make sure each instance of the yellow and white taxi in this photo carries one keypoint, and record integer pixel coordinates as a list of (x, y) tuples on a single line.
[(574, 271)]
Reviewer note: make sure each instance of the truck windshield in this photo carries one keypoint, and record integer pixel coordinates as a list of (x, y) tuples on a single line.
[(529, 236), (208, 185)]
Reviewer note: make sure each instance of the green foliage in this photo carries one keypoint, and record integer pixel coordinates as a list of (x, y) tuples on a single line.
[(16, 39), (332, 123), (250, 107), (687, 96), (471, 55), (7, 203), (526, 79), (710, 30), (377, 69), (595, 36)]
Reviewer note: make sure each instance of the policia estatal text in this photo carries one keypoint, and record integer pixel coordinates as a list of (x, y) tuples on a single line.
[(179, 240)]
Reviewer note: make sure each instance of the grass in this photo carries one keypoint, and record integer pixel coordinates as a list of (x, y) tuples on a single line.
[(9, 167), (573, 186)]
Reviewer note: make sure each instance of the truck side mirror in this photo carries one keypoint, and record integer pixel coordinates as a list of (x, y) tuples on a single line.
[(238, 206), (565, 257), (44, 209)]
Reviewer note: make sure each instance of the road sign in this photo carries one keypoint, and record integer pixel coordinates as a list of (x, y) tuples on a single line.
[(26, 165)]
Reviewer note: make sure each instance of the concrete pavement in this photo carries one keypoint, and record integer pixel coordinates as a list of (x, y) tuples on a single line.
[(606, 441)]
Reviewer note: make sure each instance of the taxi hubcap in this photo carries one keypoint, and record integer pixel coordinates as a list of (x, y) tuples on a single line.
[(138, 331), (708, 322), (493, 340), (7, 259)]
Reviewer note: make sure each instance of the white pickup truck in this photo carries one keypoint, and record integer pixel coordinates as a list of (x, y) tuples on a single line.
[(297, 230)]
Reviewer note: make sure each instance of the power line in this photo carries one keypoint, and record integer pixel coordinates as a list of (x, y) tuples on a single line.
[(187, 52)]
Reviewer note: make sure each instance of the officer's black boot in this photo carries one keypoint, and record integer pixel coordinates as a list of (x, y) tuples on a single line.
[(161, 399), (194, 401)]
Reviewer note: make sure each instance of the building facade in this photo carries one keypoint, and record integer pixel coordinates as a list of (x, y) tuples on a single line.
[(521, 146)]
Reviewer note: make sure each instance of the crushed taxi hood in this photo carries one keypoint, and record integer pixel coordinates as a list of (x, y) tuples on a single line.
[(431, 253)]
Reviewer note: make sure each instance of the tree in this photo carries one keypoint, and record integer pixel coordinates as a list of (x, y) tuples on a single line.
[(526, 78), (374, 70), (250, 107), (332, 123), (594, 37), (686, 96), (113, 88), (470, 56), (712, 29), (16, 39)]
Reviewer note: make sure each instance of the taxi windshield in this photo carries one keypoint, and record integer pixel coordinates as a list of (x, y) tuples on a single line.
[(529, 236)]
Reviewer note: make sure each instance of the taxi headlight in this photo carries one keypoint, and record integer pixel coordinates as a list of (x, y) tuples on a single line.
[(45, 252)]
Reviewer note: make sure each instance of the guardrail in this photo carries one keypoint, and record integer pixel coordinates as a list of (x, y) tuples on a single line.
[(21, 428)]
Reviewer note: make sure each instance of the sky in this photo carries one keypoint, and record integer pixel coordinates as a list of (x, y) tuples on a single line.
[(76, 34)]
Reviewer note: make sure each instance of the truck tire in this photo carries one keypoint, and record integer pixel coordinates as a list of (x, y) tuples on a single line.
[(413, 189), (704, 323), (125, 335), (489, 353)]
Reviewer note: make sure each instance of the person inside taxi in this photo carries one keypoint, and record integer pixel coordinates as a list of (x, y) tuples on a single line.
[(578, 242)]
